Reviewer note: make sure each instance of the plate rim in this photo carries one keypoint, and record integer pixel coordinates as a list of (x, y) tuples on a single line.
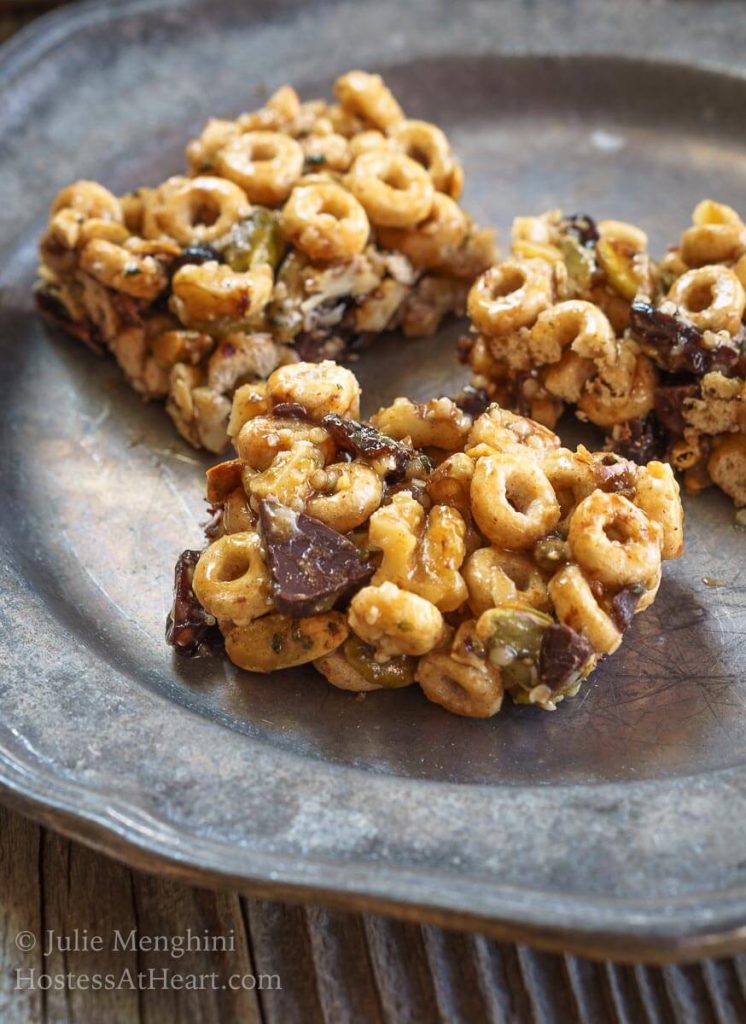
[(111, 825)]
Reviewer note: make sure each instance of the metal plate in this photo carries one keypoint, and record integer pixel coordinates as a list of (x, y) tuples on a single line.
[(616, 824)]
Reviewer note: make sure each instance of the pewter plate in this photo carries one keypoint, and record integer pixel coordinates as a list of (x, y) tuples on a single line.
[(616, 825)]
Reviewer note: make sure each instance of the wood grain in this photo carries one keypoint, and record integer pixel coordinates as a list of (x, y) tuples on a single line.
[(331, 967)]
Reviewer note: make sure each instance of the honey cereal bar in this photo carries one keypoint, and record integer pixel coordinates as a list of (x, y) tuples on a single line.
[(297, 229), (470, 554), (581, 317)]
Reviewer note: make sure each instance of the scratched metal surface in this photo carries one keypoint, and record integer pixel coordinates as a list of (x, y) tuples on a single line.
[(617, 823)]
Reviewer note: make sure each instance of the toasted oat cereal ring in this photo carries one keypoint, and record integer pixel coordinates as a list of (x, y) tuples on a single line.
[(265, 164), (510, 295), (396, 192), (325, 221), (712, 298), (367, 96), (194, 209), (231, 580), (512, 500), (430, 243), (428, 145), (614, 541), (89, 199)]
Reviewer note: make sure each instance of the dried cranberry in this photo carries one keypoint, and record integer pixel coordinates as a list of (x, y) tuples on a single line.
[(189, 629), (563, 653), (311, 566)]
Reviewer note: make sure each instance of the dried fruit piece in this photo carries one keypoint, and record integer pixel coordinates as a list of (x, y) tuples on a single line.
[(311, 566), (367, 443), (624, 604), (473, 401), (677, 346), (291, 411), (189, 629), (565, 657), (669, 405)]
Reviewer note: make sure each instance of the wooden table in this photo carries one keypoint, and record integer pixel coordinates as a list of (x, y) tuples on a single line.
[(308, 965), (282, 964)]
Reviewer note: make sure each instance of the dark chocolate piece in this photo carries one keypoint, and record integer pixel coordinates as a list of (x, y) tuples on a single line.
[(365, 442), (677, 344), (563, 653), (189, 629), (311, 566)]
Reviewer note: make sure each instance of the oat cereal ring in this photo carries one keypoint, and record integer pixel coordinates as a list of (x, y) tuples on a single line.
[(510, 295), (432, 241), (142, 277), (265, 164), (606, 406), (461, 679), (201, 153), (321, 388), (209, 292), (727, 466), (194, 209), (347, 494), (576, 606), (614, 541), (657, 494), (231, 580), (717, 235), (367, 96), (712, 298), (395, 621), (574, 324), (262, 437), (396, 192), (512, 500), (494, 576), (330, 152), (428, 145), (325, 221), (89, 199)]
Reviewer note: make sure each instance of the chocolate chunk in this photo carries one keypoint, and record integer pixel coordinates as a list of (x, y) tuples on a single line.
[(197, 254), (562, 655), (365, 442), (669, 405), (624, 605), (640, 440), (473, 401), (189, 629), (311, 566), (583, 227), (291, 411), (678, 345)]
